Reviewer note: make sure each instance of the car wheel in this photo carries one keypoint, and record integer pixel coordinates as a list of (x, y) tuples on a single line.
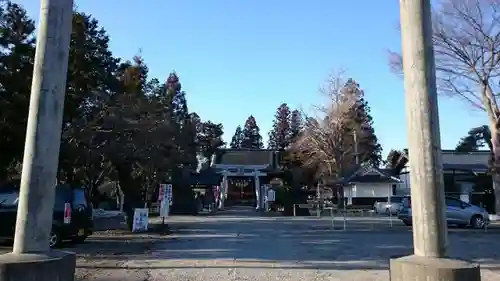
[(477, 222), (55, 239), (407, 222)]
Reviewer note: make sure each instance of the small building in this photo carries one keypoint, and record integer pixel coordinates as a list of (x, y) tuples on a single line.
[(368, 184)]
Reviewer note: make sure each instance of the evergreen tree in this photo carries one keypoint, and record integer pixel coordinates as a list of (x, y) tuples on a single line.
[(476, 139), (359, 126), (183, 120), (210, 139), (16, 67), (279, 136), (251, 135), (295, 125), (177, 97), (396, 160), (237, 138), (91, 68)]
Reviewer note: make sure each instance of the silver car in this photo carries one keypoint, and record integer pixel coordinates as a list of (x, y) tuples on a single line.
[(458, 213), (390, 205)]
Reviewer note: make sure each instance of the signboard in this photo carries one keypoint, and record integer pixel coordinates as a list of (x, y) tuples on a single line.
[(168, 194), (164, 200), (241, 171), (141, 220), (164, 208), (271, 195)]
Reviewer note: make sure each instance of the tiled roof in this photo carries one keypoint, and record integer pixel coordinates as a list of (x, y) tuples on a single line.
[(466, 167), (244, 157), (371, 174), (373, 179), (205, 177)]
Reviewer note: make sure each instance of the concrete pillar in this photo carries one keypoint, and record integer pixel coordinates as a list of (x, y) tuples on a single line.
[(258, 192), (429, 218), (424, 145), (31, 258), (43, 133), (265, 190), (223, 192)]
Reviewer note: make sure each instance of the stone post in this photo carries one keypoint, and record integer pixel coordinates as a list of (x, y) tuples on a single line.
[(429, 261), (258, 191), (223, 192), (31, 258)]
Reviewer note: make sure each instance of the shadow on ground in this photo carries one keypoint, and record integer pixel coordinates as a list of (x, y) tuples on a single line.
[(254, 242)]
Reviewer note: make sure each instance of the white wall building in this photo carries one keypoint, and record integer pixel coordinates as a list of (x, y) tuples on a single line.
[(367, 185)]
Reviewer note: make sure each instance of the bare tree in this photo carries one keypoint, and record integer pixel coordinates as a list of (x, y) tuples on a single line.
[(466, 37), (322, 144)]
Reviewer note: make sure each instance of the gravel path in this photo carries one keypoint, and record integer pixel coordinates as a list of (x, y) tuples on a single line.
[(238, 244)]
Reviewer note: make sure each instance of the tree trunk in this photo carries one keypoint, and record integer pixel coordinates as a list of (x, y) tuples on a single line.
[(131, 191), (495, 137)]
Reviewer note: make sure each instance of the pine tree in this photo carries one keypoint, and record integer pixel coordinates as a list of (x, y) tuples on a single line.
[(279, 136), (90, 69), (251, 135), (183, 121), (295, 125), (210, 138), (359, 126), (476, 138), (178, 99), (396, 160), (237, 138)]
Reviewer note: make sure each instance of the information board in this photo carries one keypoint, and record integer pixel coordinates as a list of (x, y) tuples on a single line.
[(141, 220)]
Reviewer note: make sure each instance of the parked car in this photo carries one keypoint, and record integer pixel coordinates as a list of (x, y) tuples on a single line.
[(72, 216), (390, 205), (458, 213)]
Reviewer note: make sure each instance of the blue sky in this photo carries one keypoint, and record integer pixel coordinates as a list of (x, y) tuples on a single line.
[(241, 57)]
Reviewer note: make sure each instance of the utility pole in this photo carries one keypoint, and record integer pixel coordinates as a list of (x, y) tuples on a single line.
[(356, 152), (427, 188), (43, 134)]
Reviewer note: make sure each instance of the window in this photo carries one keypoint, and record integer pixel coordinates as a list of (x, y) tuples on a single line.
[(396, 199), (9, 199), (79, 198), (406, 201), (450, 202)]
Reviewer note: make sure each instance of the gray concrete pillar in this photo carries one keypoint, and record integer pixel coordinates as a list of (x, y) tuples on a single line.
[(223, 192), (258, 192), (427, 189)]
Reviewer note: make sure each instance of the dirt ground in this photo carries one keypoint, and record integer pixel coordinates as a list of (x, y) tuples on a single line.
[(109, 247), (241, 245)]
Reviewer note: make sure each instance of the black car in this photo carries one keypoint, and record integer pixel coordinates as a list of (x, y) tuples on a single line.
[(72, 217)]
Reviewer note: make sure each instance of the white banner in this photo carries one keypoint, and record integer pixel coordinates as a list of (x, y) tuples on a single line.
[(164, 208), (161, 192), (168, 194), (141, 220)]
